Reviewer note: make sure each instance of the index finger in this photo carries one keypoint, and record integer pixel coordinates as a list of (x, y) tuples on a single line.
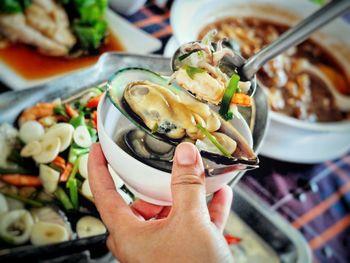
[(109, 203)]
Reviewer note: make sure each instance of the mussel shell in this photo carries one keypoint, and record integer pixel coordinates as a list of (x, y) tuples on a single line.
[(115, 92)]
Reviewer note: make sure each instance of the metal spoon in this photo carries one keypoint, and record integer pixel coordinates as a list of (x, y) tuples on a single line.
[(295, 35)]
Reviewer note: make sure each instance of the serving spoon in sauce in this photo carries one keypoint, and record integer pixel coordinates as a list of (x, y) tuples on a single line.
[(294, 36)]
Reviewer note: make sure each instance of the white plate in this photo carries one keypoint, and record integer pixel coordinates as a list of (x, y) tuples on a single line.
[(133, 40), (287, 139)]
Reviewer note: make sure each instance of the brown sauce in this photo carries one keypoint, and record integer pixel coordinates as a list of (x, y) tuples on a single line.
[(32, 65), (292, 92)]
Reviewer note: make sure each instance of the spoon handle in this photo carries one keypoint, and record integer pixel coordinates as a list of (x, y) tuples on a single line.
[(295, 35)]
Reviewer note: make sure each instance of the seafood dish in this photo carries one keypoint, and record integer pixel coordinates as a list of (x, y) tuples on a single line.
[(302, 82), (43, 38), (195, 104), (45, 197)]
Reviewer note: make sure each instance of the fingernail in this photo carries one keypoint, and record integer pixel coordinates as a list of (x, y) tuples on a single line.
[(186, 154)]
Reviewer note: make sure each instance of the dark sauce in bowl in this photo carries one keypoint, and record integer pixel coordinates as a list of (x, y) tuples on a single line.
[(292, 90)]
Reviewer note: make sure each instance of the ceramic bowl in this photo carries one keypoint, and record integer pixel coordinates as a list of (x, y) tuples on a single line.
[(146, 182), (287, 139)]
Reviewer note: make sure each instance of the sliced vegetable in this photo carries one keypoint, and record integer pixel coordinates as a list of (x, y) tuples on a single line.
[(83, 165), (63, 198), (60, 163), (21, 180), (64, 132), (231, 89), (44, 233), (14, 204), (78, 120), (93, 103), (89, 226), (72, 185), (75, 152), (60, 110), (16, 226), (241, 99), (31, 131), (86, 190), (70, 111), (94, 119), (3, 204), (192, 71), (66, 172), (49, 178), (221, 148), (50, 148), (82, 137), (24, 200), (232, 240), (32, 148)]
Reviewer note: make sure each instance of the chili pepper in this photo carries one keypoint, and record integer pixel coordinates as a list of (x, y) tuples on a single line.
[(231, 240), (93, 102)]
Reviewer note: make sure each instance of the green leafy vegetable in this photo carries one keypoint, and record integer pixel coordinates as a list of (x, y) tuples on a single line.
[(191, 71), (218, 145), (90, 35), (230, 91), (13, 6)]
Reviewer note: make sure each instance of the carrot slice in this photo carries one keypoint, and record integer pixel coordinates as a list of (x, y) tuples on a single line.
[(241, 99), (66, 172), (94, 119), (21, 180), (59, 162), (70, 111), (93, 102)]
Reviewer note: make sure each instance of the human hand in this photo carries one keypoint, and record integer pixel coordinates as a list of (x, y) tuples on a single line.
[(189, 231)]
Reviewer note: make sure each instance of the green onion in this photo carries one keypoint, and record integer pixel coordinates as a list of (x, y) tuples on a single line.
[(191, 71), (59, 110), (75, 152), (72, 184), (78, 121), (63, 198), (230, 91), (218, 145), (27, 201)]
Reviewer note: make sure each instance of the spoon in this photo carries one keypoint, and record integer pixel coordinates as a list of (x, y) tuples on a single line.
[(294, 36)]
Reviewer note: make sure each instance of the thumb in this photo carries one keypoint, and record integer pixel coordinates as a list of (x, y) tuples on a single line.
[(187, 182)]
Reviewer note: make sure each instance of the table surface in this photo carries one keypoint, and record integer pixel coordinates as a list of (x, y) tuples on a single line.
[(314, 198)]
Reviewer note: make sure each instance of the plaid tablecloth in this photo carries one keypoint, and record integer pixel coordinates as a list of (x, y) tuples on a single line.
[(314, 198)]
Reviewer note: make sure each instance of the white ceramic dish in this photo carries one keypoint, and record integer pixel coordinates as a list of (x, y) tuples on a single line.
[(146, 182), (133, 39), (287, 139)]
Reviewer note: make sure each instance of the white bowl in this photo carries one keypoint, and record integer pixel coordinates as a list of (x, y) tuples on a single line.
[(146, 182), (287, 139)]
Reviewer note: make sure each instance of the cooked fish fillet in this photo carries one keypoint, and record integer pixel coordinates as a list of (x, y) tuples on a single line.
[(14, 27), (44, 25)]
